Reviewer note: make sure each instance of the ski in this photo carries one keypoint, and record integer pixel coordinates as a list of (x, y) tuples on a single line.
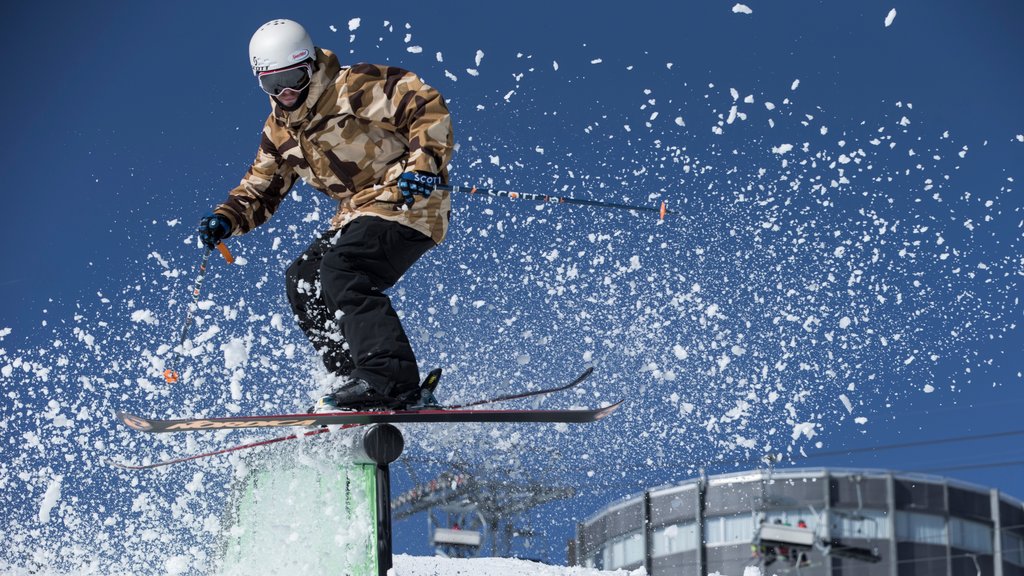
[(422, 416), (431, 381)]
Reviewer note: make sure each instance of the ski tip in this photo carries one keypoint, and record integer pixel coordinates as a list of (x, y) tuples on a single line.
[(134, 422), (603, 412)]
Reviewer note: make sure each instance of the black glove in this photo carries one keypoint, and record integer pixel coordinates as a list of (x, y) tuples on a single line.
[(419, 182), (213, 229)]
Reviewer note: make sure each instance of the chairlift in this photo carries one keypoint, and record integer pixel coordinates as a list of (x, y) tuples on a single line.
[(835, 547)]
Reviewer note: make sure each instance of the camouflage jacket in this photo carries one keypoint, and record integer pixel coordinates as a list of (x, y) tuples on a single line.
[(358, 130)]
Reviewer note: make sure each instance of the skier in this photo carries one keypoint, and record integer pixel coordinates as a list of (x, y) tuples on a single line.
[(378, 140)]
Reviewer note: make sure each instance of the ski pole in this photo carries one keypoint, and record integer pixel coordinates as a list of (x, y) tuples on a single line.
[(171, 375), (662, 210)]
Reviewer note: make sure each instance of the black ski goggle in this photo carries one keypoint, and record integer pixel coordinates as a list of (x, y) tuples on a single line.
[(294, 78)]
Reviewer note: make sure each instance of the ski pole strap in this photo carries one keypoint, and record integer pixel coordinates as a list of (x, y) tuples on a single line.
[(662, 210)]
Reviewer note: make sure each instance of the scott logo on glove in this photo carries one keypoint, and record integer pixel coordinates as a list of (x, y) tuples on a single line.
[(428, 179)]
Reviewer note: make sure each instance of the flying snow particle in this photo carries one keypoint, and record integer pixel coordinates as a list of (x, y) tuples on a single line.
[(523, 359), (235, 353), (680, 352), (679, 121), (554, 65), (846, 402), (596, 61), (782, 149), (844, 322), (741, 9), (890, 17), (176, 564), (4, 332), (50, 498), (353, 24), (144, 316), (479, 56), (804, 429), (333, 28), (414, 49), (928, 388), (1020, 137), (795, 85)]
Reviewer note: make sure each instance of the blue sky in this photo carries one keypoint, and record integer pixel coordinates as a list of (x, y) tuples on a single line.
[(130, 121)]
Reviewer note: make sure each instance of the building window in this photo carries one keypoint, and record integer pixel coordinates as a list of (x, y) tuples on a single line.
[(859, 524), (1013, 548), (675, 539), (729, 530), (623, 551), (968, 535), (920, 528)]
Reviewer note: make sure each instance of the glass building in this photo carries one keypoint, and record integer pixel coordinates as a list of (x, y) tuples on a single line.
[(813, 522)]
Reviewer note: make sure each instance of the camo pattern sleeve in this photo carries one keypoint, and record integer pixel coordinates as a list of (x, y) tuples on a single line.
[(261, 190)]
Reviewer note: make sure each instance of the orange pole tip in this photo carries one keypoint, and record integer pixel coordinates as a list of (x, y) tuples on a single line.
[(170, 376), (664, 210), (226, 253)]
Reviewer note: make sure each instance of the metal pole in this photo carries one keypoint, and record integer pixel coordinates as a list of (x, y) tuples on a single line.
[(662, 209), (384, 550)]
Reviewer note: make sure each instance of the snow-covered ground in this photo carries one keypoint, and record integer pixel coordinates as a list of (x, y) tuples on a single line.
[(419, 566)]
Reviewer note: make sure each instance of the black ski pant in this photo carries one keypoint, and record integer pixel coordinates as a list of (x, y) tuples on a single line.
[(336, 289)]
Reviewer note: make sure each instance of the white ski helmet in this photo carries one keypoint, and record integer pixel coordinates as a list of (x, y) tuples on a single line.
[(279, 44)]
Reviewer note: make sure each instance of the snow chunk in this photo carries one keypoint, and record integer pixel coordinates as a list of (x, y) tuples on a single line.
[(50, 498), (414, 49), (928, 388), (890, 17), (795, 85), (846, 402), (680, 352), (4, 332), (235, 353), (741, 9), (1020, 137), (176, 564), (353, 24), (144, 316), (596, 61), (782, 149), (479, 56), (844, 322), (805, 429)]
